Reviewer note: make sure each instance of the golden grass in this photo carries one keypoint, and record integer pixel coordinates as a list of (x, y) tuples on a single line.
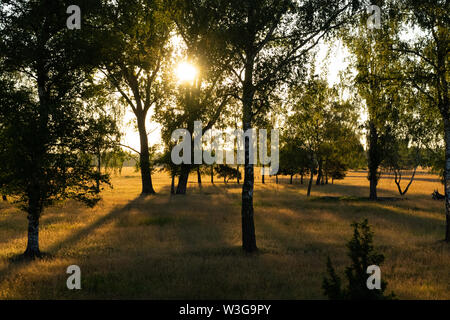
[(188, 247)]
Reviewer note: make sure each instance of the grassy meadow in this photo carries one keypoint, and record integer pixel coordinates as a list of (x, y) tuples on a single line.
[(188, 247)]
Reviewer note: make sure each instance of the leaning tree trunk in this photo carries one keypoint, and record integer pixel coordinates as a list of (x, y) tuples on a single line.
[(398, 179), (447, 177), (146, 177)]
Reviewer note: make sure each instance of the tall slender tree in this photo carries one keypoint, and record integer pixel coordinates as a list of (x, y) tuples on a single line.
[(136, 41), (206, 97), (427, 66), (43, 123), (373, 62), (268, 42)]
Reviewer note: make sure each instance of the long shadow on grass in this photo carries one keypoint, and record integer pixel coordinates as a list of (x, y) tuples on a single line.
[(193, 239), (17, 262), (304, 239)]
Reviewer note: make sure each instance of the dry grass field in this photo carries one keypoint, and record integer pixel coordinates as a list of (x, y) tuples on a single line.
[(188, 247)]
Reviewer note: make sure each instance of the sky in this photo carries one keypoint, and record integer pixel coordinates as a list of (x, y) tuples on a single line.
[(335, 64)]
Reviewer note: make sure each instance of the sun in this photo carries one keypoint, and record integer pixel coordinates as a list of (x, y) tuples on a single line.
[(186, 72)]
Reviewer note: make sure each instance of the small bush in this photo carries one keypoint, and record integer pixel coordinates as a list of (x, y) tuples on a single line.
[(362, 255), (226, 172)]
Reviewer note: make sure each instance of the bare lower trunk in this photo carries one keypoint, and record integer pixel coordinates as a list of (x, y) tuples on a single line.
[(248, 226), (311, 178), (447, 178), (172, 185), (32, 250), (319, 173), (374, 161), (183, 179), (4, 198), (199, 177), (147, 185), (238, 175), (262, 175), (373, 189), (99, 168), (290, 182), (301, 179), (212, 174)]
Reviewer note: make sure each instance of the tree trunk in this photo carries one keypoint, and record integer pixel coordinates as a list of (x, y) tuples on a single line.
[(199, 176), (34, 210), (248, 224), (373, 188), (212, 174), (4, 198), (183, 179), (172, 185), (238, 180), (301, 179), (447, 178), (310, 182), (319, 173), (34, 193), (99, 168), (262, 175), (276, 179), (290, 182), (144, 157), (398, 179), (374, 160)]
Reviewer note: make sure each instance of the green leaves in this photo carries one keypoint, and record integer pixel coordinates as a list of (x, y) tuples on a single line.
[(362, 255)]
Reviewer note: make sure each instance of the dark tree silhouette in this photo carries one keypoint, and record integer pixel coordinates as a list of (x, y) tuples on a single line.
[(43, 125)]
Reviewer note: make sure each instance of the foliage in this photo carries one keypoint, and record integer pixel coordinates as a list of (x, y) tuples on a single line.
[(362, 254), (322, 131), (45, 129), (226, 172)]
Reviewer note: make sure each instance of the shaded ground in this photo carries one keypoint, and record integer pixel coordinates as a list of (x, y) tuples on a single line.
[(189, 247)]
